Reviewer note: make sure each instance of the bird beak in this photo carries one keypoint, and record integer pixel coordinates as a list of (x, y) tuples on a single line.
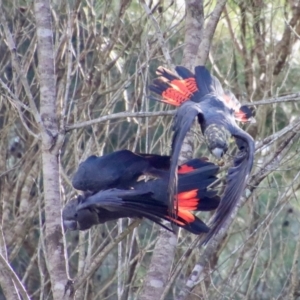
[(70, 225), (218, 152)]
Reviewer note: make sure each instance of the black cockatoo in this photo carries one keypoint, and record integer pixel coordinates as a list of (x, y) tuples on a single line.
[(141, 198), (201, 95)]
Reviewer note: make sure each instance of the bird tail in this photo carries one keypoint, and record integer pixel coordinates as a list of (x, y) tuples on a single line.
[(245, 114), (207, 84), (173, 89), (194, 195), (176, 90), (194, 178)]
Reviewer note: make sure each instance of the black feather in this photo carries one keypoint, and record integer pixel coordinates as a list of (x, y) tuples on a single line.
[(119, 169), (161, 71), (184, 72), (183, 121)]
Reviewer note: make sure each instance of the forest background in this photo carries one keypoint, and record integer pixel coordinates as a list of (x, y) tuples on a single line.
[(73, 79)]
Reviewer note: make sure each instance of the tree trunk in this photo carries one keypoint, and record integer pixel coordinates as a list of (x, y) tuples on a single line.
[(51, 142)]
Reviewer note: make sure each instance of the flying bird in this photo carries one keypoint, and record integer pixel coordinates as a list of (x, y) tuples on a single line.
[(149, 199), (201, 95)]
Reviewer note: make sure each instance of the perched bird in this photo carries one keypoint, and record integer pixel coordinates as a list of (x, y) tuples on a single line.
[(201, 95), (149, 199)]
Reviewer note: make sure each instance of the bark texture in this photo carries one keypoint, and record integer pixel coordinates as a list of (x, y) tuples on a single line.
[(51, 143)]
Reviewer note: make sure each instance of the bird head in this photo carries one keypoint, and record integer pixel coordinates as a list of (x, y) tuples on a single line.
[(68, 215), (78, 220), (217, 137)]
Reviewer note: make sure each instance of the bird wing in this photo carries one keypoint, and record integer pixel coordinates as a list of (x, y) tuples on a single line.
[(176, 90), (183, 121), (117, 169), (237, 178), (136, 203), (96, 173), (112, 202)]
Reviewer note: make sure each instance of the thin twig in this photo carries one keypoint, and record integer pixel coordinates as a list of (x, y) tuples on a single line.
[(17, 66), (98, 259), (159, 34), (5, 266), (119, 116), (288, 98)]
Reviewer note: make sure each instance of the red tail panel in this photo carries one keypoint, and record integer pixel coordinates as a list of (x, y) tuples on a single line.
[(188, 200), (183, 169), (173, 90), (188, 221), (186, 215), (191, 204), (192, 165), (173, 97), (183, 217), (185, 86), (187, 195), (179, 91)]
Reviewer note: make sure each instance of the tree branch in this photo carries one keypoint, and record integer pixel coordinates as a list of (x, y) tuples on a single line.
[(194, 22), (209, 31), (119, 116), (288, 98)]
